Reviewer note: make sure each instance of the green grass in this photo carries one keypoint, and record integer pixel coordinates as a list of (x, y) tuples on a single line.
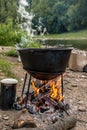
[(5, 67), (12, 52), (73, 35)]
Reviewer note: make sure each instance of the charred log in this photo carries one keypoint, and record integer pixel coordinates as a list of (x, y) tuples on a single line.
[(58, 105), (63, 124)]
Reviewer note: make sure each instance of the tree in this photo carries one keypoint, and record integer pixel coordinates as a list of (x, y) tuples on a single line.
[(8, 8), (56, 15)]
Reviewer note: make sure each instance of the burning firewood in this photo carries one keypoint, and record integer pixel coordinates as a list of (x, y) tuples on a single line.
[(58, 105)]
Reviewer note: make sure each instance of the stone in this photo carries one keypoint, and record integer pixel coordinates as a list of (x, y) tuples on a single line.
[(7, 123), (5, 117), (78, 60), (23, 119), (81, 109), (80, 102), (74, 85), (0, 116)]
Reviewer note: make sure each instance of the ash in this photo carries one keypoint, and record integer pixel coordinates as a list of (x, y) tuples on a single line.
[(47, 118)]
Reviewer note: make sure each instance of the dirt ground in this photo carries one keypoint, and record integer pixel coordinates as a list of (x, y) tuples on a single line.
[(75, 93)]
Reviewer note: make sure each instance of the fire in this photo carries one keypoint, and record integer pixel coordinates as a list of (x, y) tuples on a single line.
[(54, 86), (36, 90), (56, 90)]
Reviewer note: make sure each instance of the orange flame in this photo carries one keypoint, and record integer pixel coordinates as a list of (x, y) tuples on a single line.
[(36, 90), (55, 89)]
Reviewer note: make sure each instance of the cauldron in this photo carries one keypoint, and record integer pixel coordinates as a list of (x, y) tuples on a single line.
[(45, 63)]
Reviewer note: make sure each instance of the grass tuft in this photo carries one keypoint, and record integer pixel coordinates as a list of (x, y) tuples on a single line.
[(5, 67), (12, 52)]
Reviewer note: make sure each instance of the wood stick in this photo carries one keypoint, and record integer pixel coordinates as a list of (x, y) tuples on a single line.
[(57, 105)]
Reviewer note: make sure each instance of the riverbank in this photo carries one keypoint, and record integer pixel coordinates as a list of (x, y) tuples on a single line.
[(82, 34)]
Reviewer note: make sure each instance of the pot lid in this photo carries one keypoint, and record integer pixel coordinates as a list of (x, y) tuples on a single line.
[(9, 81)]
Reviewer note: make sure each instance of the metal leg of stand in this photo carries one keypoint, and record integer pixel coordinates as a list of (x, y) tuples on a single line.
[(28, 89), (25, 78), (62, 83)]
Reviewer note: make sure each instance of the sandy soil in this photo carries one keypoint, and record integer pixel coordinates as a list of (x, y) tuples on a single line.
[(75, 93)]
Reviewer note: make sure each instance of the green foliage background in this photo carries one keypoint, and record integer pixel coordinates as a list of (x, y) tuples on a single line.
[(61, 15), (58, 16), (8, 34)]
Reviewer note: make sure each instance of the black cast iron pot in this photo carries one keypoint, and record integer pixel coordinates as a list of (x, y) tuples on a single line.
[(45, 63)]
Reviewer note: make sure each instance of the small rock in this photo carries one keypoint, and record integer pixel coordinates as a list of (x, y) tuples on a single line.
[(5, 117), (22, 79), (77, 79), (7, 123), (0, 116), (84, 76), (23, 119), (81, 109), (74, 85), (80, 102)]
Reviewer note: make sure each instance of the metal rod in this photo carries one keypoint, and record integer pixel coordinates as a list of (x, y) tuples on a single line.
[(28, 89), (25, 78), (62, 83)]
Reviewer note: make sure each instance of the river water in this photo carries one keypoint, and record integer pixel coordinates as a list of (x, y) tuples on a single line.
[(79, 44)]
